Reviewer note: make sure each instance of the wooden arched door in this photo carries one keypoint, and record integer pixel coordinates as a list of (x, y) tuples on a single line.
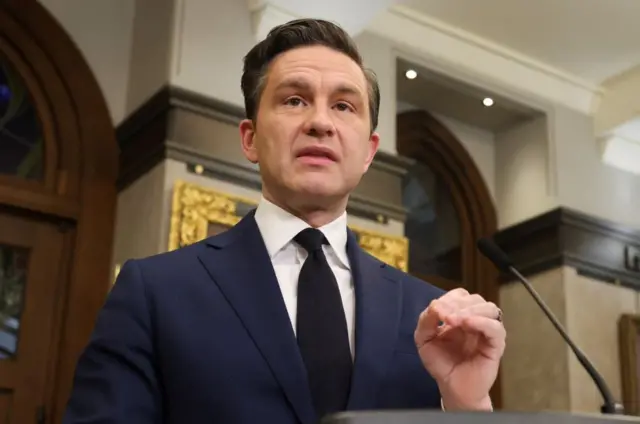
[(58, 169), (449, 207)]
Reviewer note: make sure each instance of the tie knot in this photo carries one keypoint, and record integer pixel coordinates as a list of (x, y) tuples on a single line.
[(311, 239)]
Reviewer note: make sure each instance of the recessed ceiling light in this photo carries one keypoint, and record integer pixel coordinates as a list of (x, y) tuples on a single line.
[(488, 101), (411, 74)]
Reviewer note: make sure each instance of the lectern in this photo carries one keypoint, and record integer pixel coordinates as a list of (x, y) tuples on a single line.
[(436, 417)]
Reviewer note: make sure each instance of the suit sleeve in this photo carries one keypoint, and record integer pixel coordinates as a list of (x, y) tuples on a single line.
[(116, 380)]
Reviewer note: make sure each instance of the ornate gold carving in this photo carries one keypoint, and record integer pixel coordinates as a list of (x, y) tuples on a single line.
[(392, 250), (194, 208)]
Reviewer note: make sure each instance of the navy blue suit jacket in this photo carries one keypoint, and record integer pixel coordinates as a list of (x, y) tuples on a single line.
[(202, 335)]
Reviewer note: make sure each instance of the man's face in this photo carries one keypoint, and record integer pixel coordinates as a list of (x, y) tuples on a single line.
[(312, 138)]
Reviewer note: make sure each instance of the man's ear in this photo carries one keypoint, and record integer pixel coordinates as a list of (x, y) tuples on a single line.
[(247, 136), (374, 143)]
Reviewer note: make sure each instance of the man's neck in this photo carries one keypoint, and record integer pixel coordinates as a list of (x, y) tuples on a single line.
[(314, 215)]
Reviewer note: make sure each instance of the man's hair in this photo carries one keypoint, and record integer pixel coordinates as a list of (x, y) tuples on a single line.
[(300, 33)]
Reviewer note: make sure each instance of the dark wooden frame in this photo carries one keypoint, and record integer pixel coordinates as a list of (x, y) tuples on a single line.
[(79, 191), (422, 137), (629, 337), (598, 248)]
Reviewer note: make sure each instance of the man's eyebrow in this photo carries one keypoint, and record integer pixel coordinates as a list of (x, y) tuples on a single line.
[(297, 83), (303, 85), (349, 89)]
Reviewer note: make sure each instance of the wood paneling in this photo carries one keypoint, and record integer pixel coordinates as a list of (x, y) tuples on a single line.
[(595, 247), (5, 405), (629, 335), (26, 369), (77, 197)]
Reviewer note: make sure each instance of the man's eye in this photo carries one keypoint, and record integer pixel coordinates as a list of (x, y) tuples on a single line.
[(344, 107), (293, 101)]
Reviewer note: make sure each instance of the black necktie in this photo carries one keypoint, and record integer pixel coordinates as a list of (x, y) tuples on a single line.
[(322, 328)]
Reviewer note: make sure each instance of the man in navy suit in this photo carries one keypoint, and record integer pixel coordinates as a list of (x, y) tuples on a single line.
[(284, 318)]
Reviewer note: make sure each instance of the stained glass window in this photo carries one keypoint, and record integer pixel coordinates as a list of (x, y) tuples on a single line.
[(21, 138)]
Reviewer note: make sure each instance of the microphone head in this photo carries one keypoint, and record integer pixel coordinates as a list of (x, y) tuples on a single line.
[(496, 255)]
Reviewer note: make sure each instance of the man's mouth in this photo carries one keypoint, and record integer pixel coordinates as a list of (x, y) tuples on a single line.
[(317, 155)]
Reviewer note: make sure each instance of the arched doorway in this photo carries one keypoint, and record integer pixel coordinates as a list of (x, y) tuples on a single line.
[(58, 168), (449, 207)]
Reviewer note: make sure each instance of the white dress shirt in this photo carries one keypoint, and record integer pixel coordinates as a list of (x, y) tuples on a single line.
[(278, 228)]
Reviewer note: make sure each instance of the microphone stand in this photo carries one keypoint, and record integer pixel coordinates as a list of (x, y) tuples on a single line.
[(610, 406), (500, 259)]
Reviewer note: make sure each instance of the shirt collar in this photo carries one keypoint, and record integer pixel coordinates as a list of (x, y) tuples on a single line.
[(278, 228)]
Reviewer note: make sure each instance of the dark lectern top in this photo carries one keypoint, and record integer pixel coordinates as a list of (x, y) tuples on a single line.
[(430, 417)]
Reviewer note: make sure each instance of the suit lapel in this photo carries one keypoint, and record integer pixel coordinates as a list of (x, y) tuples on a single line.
[(378, 308), (239, 264)]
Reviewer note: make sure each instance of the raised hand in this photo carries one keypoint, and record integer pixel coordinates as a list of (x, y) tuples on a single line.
[(461, 339)]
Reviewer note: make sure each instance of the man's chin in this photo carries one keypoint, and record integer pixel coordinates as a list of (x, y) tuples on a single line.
[(319, 189)]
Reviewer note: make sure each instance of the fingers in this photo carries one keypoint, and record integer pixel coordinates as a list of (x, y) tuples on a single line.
[(458, 303), (460, 298), (459, 308), (485, 309), (430, 320), (493, 331), (428, 323)]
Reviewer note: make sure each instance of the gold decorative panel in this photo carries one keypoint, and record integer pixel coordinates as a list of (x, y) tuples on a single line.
[(389, 249), (198, 212)]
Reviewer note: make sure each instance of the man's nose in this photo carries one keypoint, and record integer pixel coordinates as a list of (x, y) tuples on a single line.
[(320, 122)]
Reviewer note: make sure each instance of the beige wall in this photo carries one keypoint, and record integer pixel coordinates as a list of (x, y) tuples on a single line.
[(583, 181), (539, 370), (522, 169), (535, 374), (139, 217), (593, 311), (102, 31), (150, 50), (379, 56), (210, 39)]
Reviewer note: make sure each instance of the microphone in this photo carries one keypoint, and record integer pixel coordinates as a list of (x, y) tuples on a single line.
[(502, 261)]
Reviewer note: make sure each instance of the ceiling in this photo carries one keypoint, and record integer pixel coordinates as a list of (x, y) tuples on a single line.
[(442, 95), (593, 39)]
